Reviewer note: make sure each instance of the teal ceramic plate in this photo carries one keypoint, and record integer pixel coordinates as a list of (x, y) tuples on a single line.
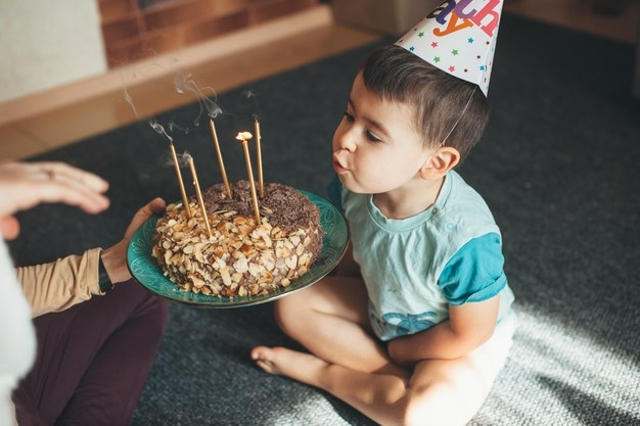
[(146, 270)]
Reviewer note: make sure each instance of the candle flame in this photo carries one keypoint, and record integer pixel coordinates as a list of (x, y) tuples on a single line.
[(244, 136)]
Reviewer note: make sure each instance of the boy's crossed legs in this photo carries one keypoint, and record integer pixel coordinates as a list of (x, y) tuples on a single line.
[(330, 319)]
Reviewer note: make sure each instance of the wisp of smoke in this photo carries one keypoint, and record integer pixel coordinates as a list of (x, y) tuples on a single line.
[(184, 82), (159, 129), (127, 96)]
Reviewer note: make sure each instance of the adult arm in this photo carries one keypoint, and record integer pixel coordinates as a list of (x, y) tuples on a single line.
[(56, 286)]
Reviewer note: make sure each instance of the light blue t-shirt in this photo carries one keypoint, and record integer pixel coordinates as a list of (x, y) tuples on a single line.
[(414, 268)]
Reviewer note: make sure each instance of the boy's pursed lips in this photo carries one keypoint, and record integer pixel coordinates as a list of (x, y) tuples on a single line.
[(337, 165)]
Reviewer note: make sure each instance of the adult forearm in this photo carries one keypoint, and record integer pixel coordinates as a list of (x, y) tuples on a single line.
[(112, 259), (56, 286)]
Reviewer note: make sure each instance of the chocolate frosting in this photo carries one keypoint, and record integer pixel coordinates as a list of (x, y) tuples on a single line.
[(295, 211)]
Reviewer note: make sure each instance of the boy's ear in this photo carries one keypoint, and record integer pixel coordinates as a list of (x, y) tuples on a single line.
[(443, 160)]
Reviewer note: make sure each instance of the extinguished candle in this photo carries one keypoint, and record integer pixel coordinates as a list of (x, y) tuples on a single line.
[(256, 125), (220, 160), (244, 136), (185, 199), (196, 185)]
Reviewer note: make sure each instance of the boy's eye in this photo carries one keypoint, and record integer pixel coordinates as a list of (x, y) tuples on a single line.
[(372, 137)]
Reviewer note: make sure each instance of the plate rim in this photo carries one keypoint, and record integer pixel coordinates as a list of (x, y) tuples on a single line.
[(241, 301)]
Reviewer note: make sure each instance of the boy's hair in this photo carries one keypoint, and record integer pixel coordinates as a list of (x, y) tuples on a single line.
[(395, 74)]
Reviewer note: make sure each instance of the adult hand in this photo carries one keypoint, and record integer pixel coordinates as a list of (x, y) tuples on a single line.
[(115, 258), (25, 185)]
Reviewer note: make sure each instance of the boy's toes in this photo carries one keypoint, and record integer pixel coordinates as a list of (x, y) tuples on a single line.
[(267, 366), (260, 352), (264, 358)]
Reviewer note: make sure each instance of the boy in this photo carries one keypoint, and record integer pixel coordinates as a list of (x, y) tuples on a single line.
[(417, 323)]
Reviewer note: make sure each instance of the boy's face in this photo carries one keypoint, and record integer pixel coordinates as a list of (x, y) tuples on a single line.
[(376, 147)]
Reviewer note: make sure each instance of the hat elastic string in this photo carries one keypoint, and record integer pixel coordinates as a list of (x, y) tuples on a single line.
[(459, 118)]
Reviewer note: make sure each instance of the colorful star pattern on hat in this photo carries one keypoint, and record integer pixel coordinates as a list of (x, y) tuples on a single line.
[(459, 37)]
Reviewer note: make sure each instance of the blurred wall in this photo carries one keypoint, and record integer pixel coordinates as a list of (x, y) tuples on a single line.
[(47, 43)]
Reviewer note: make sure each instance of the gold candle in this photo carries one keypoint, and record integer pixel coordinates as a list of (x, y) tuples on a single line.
[(220, 161), (185, 200), (244, 136), (196, 184), (256, 125)]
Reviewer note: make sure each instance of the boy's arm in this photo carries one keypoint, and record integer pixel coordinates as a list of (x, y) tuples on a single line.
[(347, 266), (469, 325)]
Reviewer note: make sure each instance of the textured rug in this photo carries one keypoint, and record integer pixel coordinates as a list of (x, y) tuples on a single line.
[(558, 165)]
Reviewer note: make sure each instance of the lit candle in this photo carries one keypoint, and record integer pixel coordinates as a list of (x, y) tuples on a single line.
[(244, 136), (185, 200), (220, 161), (256, 125), (196, 184)]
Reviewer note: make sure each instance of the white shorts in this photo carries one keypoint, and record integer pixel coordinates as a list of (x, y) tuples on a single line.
[(493, 353)]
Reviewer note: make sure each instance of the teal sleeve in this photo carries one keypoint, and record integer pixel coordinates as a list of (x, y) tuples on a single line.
[(475, 273), (334, 190)]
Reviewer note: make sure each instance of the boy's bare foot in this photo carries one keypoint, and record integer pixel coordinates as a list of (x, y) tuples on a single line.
[(286, 362)]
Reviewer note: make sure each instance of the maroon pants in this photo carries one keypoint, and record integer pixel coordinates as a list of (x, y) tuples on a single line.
[(93, 360)]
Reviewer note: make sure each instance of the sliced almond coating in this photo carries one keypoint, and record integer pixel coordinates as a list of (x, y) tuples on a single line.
[(291, 262)]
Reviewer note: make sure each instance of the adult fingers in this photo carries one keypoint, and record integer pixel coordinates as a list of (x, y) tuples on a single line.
[(158, 205), (24, 185), (155, 206), (66, 173), (9, 227), (67, 193)]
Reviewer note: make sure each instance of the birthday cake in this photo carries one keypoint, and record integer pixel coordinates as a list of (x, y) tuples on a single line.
[(239, 257)]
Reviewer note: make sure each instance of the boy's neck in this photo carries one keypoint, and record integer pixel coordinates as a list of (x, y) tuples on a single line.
[(409, 200)]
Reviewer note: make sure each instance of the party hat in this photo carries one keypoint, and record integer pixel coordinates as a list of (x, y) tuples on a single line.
[(459, 37)]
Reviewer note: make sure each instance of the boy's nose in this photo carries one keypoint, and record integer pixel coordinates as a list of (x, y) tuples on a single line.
[(346, 141)]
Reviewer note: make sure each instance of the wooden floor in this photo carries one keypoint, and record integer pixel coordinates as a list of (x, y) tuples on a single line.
[(45, 121)]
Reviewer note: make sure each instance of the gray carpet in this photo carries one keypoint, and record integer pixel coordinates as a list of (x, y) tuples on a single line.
[(558, 165)]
